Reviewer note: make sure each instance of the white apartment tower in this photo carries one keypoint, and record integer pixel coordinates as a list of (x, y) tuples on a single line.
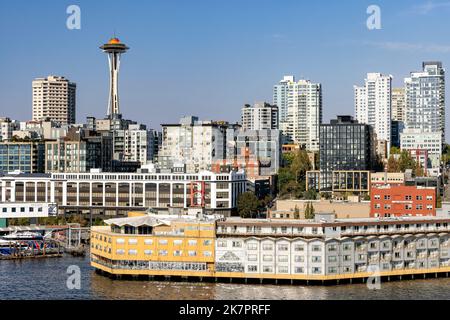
[(260, 116), (54, 99), (373, 104), (300, 111), (425, 99)]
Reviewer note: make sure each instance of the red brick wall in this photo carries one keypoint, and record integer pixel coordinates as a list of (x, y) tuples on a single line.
[(402, 200)]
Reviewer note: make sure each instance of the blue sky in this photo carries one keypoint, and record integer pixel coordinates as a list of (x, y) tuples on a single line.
[(208, 58)]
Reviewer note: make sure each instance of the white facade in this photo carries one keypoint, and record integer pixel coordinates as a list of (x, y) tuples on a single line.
[(6, 128), (300, 110), (345, 246), (136, 143), (193, 143), (123, 191), (373, 104), (260, 116), (54, 98), (414, 140), (425, 99)]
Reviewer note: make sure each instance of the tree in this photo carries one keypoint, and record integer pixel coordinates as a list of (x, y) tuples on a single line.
[(309, 211), (296, 213), (395, 150), (310, 194), (405, 161), (392, 165), (292, 176), (247, 204)]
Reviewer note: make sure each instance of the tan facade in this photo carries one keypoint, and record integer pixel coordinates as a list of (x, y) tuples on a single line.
[(341, 209)]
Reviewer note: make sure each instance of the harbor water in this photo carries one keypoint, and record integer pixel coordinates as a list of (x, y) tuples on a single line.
[(47, 279)]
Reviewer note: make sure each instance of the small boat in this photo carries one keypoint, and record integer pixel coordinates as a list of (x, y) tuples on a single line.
[(8, 246), (24, 236)]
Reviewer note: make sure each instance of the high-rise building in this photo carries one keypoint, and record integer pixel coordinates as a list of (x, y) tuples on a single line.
[(345, 144), (79, 151), (260, 116), (114, 48), (54, 98), (193, 143), (26, 157), (373, 104), (425, 147), (300, 111), (425, 99), (398, 104), (257, 152)]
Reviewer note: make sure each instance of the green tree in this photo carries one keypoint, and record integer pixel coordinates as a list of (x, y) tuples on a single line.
[(406, 161), (247, 204), (309, 211), (292, 176), (296, 213), (392, 165), (395, 150), (310, 194)]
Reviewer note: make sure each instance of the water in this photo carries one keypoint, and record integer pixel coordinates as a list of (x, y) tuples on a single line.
[(46, 279)]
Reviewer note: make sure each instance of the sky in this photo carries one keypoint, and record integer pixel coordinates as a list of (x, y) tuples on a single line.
[(209, 58)]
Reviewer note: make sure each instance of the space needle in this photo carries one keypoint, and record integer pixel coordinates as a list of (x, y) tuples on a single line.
[(114, 48)]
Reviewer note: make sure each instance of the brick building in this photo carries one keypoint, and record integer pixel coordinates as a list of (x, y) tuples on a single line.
[(395, 201)]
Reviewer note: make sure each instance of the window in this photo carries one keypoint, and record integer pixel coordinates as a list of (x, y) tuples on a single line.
[(148, 252), (332, 270), (120, 241), (236, 244), (316, 270), (177, 253), (206, 242), (192, 242), (207, 253), (131, 241), (252, 268), (222, 244), (283, 247), (267, 246), (267, 269), (299, 258), (267, 258), (299, 270), (132, 252), (252, 257), (299, 247), (316, 248), (252, 246), (418, 197), (316, 259), (332, 247), (283, 258), (148, 241), (162, 252), (332, 259), (283, 269), (192, 253), (120, 251), (177, 242), (162, 242)]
